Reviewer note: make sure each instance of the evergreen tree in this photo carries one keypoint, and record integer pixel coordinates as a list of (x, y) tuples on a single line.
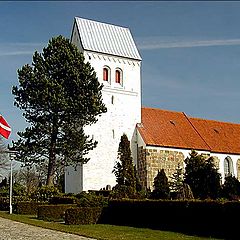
[(202, 176), (161, 187), (124, 168), (138, 184), (231, 188), (59, 95), (176, 180)]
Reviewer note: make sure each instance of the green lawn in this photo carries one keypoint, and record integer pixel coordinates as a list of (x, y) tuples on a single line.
[(102, 231)]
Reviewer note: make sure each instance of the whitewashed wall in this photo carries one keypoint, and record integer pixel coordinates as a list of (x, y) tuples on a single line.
[(121, 117), (123, 104)]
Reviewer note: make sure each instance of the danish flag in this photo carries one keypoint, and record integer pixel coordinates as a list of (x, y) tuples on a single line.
[(5, 129)]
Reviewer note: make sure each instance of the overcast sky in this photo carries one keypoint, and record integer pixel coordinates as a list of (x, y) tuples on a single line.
[(190, 50)]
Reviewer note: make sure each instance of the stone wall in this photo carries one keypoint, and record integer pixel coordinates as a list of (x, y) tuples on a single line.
[(151, 160)]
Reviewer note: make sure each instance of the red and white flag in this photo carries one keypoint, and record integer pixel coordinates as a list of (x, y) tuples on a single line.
[(5, 129)]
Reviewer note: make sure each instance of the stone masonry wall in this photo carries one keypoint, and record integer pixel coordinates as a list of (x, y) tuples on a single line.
[(142, 166), (152, 160)]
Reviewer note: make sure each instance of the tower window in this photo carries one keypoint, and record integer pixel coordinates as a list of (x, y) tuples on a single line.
[(112, 99), (118, 76), (106, 73)]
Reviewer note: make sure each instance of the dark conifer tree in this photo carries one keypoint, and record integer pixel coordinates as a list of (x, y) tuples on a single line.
[(231, 188), (202, 176), (161, 188), (124, 168), (59, 95), (176, 180)]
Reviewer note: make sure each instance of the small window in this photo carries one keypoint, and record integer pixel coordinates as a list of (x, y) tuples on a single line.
[(118, 76), (112, 99), (228, 167), (105, 74)]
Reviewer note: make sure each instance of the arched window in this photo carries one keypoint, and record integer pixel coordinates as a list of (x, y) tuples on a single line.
[(118, 76), (228, 167), (106, 74)]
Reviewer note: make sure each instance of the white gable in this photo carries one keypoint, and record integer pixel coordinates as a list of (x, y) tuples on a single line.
[(106, 38)]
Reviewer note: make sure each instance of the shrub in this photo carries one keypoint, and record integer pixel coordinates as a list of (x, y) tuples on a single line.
[(4, 203), (29, 208), (4, 191), (231, 188), (161, 187), (122, 191), (62, 200), (202, 176), (91, 200), (53, 212), (44, 193), (83, 215)]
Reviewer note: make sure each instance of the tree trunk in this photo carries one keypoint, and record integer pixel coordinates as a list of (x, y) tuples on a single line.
[(52, 156)]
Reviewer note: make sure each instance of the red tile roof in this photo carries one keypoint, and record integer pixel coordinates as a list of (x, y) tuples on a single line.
[(222, 137), (177, 130)]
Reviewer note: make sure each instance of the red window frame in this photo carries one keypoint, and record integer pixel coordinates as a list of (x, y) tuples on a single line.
[(105, 74), (118, 76)]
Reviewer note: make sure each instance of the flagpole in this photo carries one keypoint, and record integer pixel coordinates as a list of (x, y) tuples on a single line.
[(12, 156), (11, 183)]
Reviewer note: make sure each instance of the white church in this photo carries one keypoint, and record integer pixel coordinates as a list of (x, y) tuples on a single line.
[(159, 138)]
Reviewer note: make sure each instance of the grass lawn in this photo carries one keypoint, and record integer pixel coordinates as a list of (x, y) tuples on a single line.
[(102, 231)]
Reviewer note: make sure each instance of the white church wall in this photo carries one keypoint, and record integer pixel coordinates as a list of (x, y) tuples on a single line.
[(221, 157), (123, 112), (123, 102)]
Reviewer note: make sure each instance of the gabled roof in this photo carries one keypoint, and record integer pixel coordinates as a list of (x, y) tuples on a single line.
[(220, 136), (169, 129), (177, 130), (106, 38)]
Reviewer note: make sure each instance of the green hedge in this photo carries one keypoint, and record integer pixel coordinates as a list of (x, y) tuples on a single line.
[(62, 200), (29, 208), (53, 212), (83, 215), (4, 203), (204, 218)]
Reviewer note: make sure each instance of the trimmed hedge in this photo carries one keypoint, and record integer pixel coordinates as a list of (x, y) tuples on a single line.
[(29, 208), (204, 218), (54, 213), (4, 203), (83, 215), (62, 200)]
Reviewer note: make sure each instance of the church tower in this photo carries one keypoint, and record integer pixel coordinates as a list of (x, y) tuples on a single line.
[(112, 53)]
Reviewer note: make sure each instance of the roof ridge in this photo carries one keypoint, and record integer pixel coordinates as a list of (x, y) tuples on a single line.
[(213, 120), (197, 118), (188, 119), (102, 22), (159, 109)]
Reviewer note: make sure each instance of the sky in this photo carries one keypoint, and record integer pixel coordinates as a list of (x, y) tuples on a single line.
[(190, 50)]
